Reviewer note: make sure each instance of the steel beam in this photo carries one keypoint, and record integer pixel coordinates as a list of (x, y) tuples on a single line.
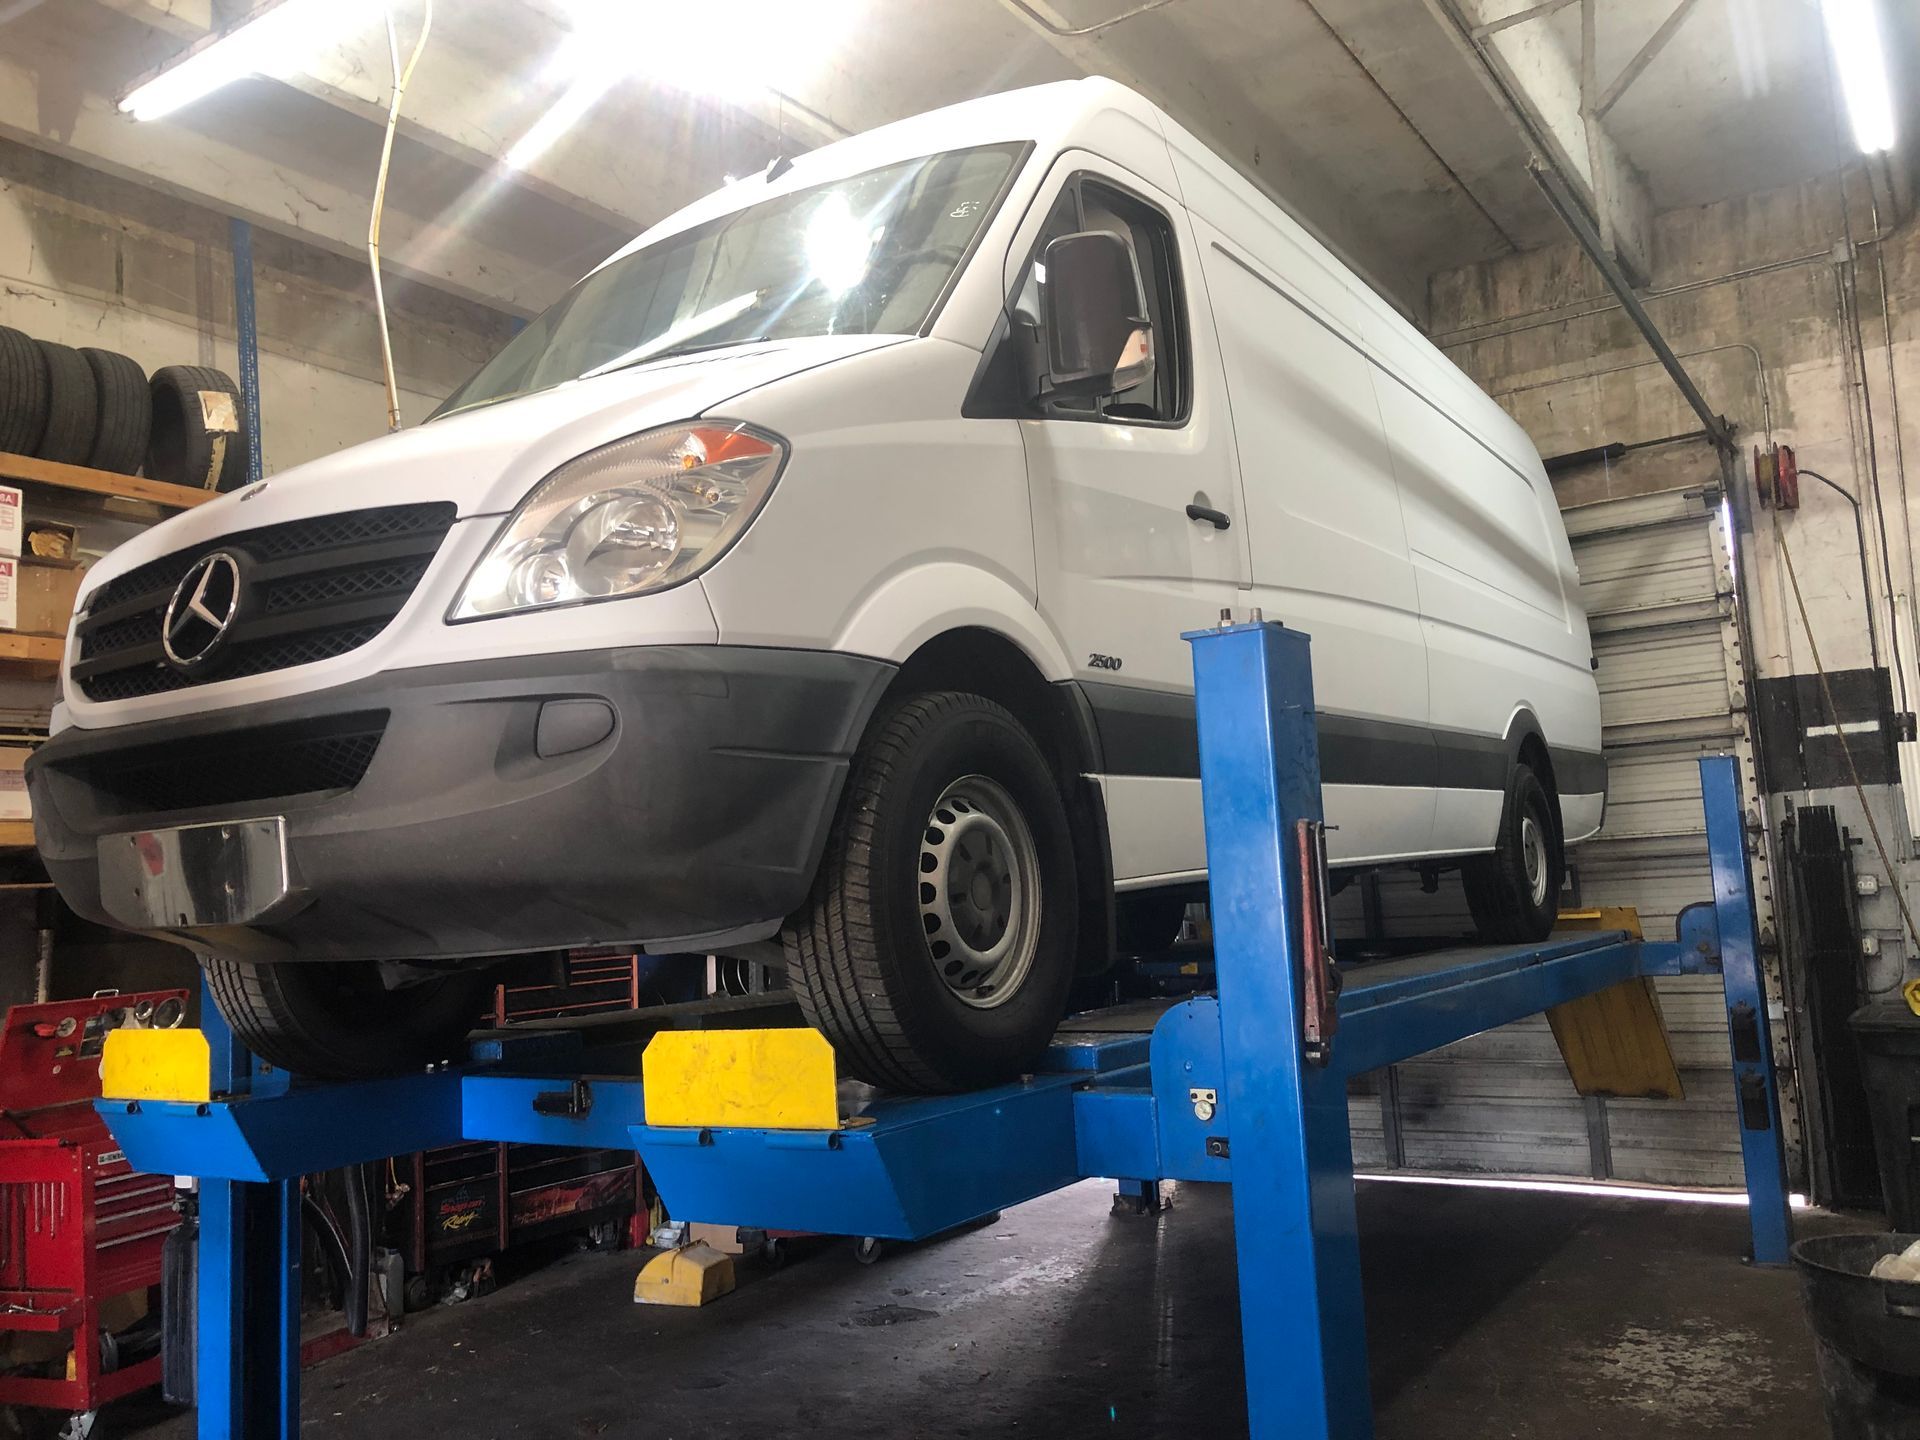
[(1571, 212), (1644, 57), (1519, 17)]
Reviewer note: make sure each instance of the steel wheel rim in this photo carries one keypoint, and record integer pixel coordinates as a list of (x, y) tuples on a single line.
[(1533, 855), (979, 892)]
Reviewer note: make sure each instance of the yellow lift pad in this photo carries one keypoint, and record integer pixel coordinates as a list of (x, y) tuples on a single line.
[(1615, 1042), (758, 1079), (156, 1065), (690, 1276)]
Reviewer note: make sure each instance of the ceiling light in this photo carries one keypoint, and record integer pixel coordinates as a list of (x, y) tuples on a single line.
[(724, 47), (1853, 34), (732, 49), (274, 40)]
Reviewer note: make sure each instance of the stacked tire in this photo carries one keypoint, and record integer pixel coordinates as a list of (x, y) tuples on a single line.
[(97, 408)]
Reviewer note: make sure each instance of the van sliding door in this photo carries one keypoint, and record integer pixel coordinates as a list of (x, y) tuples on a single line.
[(1329, 547)]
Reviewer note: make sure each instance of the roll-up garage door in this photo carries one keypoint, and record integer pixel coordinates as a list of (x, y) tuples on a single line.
[(1657, 578)]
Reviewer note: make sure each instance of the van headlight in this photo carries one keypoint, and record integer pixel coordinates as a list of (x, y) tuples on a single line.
[(642, 514)]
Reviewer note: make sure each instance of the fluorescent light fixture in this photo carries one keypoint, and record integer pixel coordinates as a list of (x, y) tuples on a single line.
[(732, 49), (1596, 1188), (273, 40), (1853, 34)]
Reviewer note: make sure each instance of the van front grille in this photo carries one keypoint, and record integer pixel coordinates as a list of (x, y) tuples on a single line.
[(308, 590)]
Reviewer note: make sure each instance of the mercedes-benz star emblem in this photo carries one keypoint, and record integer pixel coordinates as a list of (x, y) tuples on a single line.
[(202, 610)]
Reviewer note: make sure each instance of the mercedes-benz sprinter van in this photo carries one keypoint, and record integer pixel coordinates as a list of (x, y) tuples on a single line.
[(808, 584)]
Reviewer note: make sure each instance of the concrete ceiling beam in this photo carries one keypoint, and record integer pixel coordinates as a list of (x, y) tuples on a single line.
[(46, 101), (1552, 96), (636, 153), (186, 19)]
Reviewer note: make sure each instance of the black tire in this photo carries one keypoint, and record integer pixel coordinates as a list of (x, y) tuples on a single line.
[(180, 448), (125, 417), (873, 972), (1148, 921), (73, 405), (23, 393), (1511, 901), (336, 1020)]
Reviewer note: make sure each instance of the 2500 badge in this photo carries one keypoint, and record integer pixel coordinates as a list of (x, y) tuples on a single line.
[(1104, 662)]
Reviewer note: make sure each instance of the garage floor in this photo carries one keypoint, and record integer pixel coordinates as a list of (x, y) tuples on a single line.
[(1492, 1314)]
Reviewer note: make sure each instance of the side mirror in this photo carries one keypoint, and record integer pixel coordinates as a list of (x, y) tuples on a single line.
[(1094, 310)]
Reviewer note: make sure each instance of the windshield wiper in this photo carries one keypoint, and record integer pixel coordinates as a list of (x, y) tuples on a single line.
[(674, 352)]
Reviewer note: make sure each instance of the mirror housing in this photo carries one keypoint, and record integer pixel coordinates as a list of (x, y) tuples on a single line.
[(1095, 336)]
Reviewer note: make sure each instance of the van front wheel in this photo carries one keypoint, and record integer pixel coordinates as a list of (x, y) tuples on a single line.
[(1514, 892), (937, 947)]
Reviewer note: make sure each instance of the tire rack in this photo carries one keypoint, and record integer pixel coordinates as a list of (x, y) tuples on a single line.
[(1208, 1090)]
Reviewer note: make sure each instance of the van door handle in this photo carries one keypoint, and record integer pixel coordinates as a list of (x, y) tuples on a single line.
[(1219, 519)]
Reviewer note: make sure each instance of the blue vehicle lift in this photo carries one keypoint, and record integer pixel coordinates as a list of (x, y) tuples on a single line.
[(1247, 1087)]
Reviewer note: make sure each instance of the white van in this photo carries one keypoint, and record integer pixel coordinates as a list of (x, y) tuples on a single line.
[(814, 573)]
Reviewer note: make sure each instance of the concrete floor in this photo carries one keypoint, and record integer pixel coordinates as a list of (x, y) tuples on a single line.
[(1491, 1314)]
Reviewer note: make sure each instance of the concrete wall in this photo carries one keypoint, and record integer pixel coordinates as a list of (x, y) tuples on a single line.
[(86, 259), (1758, 296)]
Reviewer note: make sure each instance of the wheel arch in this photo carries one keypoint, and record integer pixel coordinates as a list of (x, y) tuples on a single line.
[(1527, 744), (990, 663)]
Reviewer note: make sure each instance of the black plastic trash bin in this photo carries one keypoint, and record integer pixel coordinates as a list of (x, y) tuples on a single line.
[(1868, 1334), (1887, 1034)]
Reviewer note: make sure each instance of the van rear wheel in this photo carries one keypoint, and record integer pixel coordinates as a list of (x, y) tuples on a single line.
[(937, 947), (1514, 892), (339, 1020)]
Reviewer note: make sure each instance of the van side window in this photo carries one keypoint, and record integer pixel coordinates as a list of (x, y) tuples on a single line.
[(1164, 396)]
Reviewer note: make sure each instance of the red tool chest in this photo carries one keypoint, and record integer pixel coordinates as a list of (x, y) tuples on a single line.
[(79, 1228)]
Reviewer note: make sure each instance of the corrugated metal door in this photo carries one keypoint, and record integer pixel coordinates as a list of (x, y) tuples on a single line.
[(1657, 578)]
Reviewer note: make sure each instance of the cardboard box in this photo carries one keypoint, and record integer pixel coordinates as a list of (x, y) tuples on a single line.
[(11, 526), (37, 596), (14, 804), (724, 1238), (49, 540)]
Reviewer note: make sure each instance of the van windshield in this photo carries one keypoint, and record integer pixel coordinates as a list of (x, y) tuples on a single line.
[(867, 255)]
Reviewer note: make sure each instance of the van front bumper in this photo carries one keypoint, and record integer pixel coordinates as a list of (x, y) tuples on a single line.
[(672, 797)]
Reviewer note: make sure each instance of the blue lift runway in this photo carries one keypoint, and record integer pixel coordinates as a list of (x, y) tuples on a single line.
[(1247, 1087)]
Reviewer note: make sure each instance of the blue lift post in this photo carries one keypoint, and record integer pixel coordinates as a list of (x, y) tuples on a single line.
[(1295, 1234), (1225, 1088)]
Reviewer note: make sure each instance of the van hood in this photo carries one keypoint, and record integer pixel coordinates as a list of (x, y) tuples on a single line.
[(486, 459)]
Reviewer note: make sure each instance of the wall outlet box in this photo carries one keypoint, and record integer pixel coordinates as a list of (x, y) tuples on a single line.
[(1866, 884)]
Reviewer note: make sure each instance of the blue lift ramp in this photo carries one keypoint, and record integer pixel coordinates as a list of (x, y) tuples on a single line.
[(1247, 1087)]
